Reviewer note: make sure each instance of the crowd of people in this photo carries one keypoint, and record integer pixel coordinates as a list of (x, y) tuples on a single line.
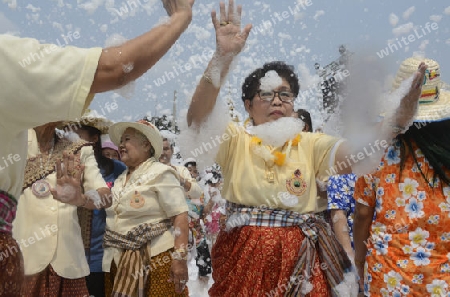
[(96, 208)]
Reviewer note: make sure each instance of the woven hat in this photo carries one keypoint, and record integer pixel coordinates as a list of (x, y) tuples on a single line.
[(91, 119), (143, 126), (434, 102)]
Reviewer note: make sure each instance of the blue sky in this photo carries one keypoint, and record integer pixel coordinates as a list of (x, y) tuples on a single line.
[(311, 34)]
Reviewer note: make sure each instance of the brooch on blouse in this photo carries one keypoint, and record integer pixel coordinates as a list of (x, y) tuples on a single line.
[(296, 185), (137, 200)]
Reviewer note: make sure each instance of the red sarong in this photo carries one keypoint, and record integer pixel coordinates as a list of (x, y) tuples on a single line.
[(258, 261)]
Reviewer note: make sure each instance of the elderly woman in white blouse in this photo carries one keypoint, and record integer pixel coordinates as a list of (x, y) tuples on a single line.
[(147, 225)]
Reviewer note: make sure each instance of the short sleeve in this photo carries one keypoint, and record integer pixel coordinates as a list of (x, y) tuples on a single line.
[(170, 193), (364, 191), (228, 144), (92, 178), (41, 83), (340, 190), (325, 147)]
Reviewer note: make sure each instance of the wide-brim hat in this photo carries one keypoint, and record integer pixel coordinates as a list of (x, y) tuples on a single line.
[(91, 119), (434, 102), (143, 126)]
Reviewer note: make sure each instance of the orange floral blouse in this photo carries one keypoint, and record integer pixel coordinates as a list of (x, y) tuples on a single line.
[(409, 242)]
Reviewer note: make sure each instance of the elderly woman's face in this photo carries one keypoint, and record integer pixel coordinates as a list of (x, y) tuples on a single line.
[(267, 111), (133, 149)]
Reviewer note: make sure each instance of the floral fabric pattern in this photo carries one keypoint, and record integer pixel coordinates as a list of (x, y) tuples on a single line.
[(340, 191), (409, 241)]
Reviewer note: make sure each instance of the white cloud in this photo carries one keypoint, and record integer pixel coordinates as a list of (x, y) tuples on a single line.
[(318, 14), (447, 10), (435, 17), (409, 12), (11, 3), (32, 8), (6, 25), (393, 19), (403, 29), (423, 45)]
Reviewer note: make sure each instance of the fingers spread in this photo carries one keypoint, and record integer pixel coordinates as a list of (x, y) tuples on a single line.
[(58, 169), (214, 19), (230, 11), (238, 16), (223, 13)]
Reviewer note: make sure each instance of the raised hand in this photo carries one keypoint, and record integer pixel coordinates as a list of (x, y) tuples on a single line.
[(230, 39), (410, 102), (68, 180)]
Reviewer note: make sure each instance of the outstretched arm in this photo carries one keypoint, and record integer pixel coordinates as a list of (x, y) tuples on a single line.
[(230, 40), (409, 104), (122, 64)]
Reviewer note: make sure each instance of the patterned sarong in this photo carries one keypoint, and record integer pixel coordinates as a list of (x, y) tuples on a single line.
[(8, 207), (134, 259), (157, 283), (320, 241), (49, 283), (11, 267)]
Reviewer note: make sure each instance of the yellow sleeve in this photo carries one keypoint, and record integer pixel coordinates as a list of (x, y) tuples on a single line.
[(325, 147), (228, 145), (41, 83), (170, 193), (92, 178)]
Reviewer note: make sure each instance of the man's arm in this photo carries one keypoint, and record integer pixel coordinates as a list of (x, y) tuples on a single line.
[(120, 65)]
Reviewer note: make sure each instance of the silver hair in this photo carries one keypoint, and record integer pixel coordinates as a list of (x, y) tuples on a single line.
[(143, 139)]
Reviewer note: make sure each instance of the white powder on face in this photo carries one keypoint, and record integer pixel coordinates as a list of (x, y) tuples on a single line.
[(270, 81)]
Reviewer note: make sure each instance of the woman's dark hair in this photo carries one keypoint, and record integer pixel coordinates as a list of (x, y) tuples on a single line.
[(252, 83), (305, 116), (102, 161), (433, 139)]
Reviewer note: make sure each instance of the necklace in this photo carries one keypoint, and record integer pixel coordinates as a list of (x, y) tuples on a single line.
[(41, 188)]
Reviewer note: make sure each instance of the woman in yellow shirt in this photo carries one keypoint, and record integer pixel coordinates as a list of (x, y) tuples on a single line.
[(273, 244)]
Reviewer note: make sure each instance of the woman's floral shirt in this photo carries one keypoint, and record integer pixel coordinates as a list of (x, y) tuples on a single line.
[(409, 241), (340, 191)]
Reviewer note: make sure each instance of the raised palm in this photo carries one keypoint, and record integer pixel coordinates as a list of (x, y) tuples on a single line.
[(230, 39)]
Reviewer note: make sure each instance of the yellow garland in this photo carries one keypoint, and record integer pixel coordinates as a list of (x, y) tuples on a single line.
[(279, 158), (296, 140), (255, 140), (276, 157)]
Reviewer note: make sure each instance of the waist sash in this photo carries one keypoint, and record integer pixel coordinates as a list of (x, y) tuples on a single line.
[(319, 240)]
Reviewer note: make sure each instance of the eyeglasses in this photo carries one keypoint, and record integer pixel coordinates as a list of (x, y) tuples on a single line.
[(268, 96)]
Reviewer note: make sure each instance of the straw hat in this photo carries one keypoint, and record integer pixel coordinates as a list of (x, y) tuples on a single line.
[(434, 102), (143, 126), (91, 119)]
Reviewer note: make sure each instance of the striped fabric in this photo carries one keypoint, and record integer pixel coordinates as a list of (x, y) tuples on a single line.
[(131, 275), (319, 239), (8, 207)]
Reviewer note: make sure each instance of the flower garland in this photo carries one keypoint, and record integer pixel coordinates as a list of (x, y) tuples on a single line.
[(276, 157)]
